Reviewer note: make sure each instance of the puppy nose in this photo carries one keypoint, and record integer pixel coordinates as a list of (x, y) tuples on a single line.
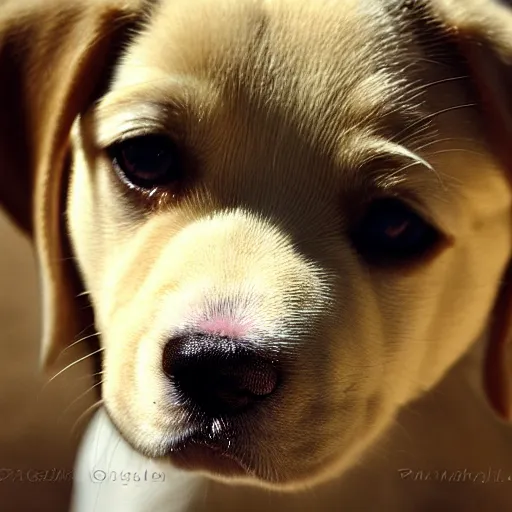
[(218, 375)]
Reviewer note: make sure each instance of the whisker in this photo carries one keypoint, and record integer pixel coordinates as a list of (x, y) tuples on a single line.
[(420, 135), (78, 398), (432, 116), (89, 375), (75, 363), (432, 61), (85, 329), (93, 407), (401, 170), (79, 341), (417, 91), (455, 150), (423, 87), (447, 139), (409, 96)]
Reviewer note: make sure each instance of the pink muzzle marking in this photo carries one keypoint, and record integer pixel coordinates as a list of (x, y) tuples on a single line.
[(224, 327)]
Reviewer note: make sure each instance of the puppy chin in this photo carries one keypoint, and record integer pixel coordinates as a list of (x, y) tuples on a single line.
[(234, 460), (228, 460)]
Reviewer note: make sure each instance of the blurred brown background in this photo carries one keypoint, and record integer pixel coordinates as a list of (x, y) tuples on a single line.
[(38, 423)]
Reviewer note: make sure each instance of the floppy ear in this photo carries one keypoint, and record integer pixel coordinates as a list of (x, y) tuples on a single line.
[(482, 29), (54, 55)]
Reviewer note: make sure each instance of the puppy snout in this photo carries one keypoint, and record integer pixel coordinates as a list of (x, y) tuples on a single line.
[(219, 375)]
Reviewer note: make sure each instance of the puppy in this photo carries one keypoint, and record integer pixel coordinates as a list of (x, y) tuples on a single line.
[(291, 218)]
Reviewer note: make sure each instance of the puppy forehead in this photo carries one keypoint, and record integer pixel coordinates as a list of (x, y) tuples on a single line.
[(330, 60), (228, 32)]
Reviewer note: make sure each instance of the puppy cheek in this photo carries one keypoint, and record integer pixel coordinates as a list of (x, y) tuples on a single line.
[(84, 222), (334, 439)]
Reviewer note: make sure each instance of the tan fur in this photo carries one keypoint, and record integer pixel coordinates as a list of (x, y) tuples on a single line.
[(289, 107)]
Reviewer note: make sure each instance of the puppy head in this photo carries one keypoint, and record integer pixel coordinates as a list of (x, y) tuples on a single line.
[(290, 222)]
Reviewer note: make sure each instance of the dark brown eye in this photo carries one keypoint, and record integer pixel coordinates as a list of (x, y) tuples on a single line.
[(147, 161), (390, 231)]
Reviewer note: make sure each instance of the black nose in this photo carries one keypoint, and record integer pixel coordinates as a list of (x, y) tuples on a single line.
[(218, 375)]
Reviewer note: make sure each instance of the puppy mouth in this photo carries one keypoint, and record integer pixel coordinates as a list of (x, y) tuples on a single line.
[(212, 446), (198, 452)]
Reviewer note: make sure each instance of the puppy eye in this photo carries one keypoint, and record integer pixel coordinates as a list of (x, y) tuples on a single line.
[(391, 232), (147, 161)]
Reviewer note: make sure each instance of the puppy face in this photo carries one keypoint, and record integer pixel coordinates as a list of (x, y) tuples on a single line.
[(289, 225)]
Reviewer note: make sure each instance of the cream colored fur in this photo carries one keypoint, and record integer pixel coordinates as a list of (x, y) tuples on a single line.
[(293, 111)]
